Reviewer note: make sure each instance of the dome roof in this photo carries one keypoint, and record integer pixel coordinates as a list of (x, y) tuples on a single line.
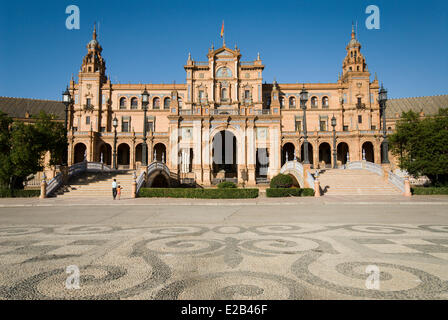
[(93, 43), (353, 43)]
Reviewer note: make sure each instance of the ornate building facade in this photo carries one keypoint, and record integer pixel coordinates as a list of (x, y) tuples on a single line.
[(225, 121)]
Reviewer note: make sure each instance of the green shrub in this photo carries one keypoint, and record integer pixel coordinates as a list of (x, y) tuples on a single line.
[(229, 193), (227, 185), (7, 193), (307, 192), (283, 192), (281, 181), (289, 192), (429, 190)]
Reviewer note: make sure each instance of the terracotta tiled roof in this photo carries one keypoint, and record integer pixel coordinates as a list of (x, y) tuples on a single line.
[(19, 107), (429, 105)]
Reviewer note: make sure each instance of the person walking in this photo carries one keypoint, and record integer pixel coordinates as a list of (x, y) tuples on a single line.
[(114, 188), (119, 188)]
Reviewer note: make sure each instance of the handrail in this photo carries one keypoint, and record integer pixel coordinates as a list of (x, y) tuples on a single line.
[(74, 170), (396, 180), (140, 181), (294, 166), (54, 184), (369, 166)]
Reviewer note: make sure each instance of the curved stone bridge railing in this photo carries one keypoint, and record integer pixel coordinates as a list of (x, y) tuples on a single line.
[(78, 168)]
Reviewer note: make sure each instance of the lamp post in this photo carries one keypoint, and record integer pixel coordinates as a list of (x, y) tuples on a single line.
[(333, 124), (145, 101), (66, 99), (382, 98), (303, 100), (115, 125)]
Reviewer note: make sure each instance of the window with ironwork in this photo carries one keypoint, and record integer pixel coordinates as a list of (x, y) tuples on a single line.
[(325, 103), (134, 103), (292, 103), (323, 125), (123, 103)]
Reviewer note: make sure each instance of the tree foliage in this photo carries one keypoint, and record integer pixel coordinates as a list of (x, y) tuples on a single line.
[(421, 145), (23, 147)]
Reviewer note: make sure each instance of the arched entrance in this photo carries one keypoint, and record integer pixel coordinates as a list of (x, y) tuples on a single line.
[(288, 152), (106, 151), (343, 152), (123, 155), (224, 154), (367, 152), (310, 153), (138, 153), (160, 152), (325, 154), (80, 152)]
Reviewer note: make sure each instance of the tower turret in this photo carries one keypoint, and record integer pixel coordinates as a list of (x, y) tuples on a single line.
[(354, 61)]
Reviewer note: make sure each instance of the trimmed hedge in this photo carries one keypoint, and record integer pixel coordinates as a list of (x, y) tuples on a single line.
[(227, 185), (7, 193), (281, 181), (229, 193), (429, 190), (289, 192)]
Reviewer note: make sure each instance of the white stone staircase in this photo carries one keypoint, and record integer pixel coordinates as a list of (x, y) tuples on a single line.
[(97, 185), (355, 182)]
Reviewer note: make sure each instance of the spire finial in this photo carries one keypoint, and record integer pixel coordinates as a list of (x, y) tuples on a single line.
[(353, 31), (376, 77), (189, 56), (258, 56), (94, 31)]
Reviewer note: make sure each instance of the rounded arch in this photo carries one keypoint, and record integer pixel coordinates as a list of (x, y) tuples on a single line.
[(105, 153), (325, 153), (160, 152), (166, 103), (288, 152), (158, 179), (292, 102), (367, 151), (343, 152), (224, 72), (156, 103), (123, 101), (79, 152), (123, 154), (325, 102), (134, 103), (313, 102), (224, 152), (310, 152)]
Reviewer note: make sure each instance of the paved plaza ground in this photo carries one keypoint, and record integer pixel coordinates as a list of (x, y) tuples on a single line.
[(302, 248)]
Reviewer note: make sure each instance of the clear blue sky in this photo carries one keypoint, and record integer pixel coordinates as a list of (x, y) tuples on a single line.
[(148, 41)]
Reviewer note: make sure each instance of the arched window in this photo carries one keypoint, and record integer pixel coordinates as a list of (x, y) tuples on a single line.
[(156, 103), (224, 95), (134, 103), (179, 101), (325, 102), (166, 103), (313, 102), (350, 68), (292, 102), (282, 102), (123, 103), (357, 68)]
